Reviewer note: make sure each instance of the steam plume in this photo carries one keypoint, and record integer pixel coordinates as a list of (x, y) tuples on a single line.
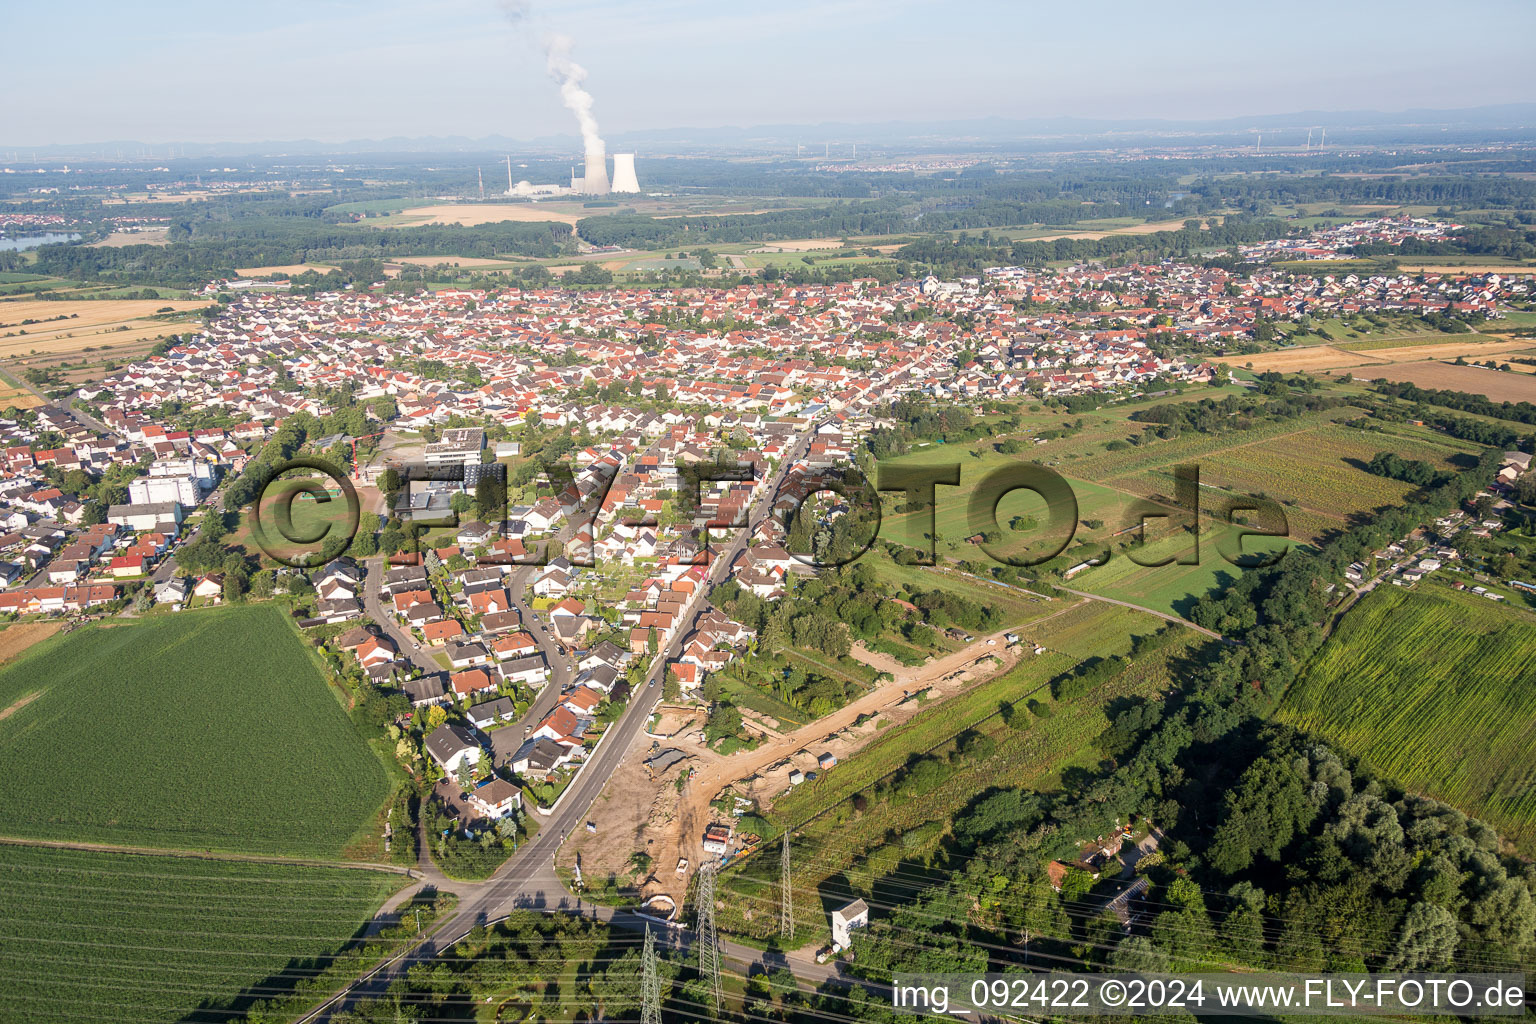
[(569, 75), (566, 72)]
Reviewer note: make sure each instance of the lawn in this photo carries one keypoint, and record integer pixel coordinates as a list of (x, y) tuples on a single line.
[(1312, 465), (99, 937), (310, 517), (1434, 688), (1171, 588), (204, 729)]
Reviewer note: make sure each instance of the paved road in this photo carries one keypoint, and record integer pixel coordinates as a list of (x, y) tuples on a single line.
[(506, 740), (528, 880), (80, 416), (167, 567), (84, 418), (384, 616)]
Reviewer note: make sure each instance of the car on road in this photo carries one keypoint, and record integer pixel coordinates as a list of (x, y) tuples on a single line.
[(651, 683)]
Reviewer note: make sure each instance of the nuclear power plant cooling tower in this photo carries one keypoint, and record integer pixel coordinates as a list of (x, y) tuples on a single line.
[(624, 179), (596, 181)]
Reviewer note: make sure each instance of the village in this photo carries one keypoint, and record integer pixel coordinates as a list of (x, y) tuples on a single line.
[(514, 640)]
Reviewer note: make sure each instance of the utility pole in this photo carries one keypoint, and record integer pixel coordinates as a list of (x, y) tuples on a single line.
[(786, 901), (650, 982), (709, 946)]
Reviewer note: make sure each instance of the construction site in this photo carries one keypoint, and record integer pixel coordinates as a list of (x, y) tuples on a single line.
[(681, 804)]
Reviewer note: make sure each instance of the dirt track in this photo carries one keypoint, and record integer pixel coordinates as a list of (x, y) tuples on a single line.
[(763, 771), (20, 703)]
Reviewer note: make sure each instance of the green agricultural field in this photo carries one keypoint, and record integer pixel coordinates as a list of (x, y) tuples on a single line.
[(205, 729), (375, 206), (1435, 688), (105, 937)]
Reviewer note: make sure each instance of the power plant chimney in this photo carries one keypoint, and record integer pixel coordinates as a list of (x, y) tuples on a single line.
[(624, 179), (595, 181)]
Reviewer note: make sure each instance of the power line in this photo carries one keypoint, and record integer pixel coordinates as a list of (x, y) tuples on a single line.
[(650, 982), (786, 897), (709, 945)]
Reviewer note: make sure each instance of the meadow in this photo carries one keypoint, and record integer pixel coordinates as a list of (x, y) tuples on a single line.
[(210, 729), (95, 936), (842, 850), (1313, 465), (1173, 588), (1436, 689), (311, 517)]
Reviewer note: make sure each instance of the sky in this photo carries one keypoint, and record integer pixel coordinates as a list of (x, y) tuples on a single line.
[(341, 70)]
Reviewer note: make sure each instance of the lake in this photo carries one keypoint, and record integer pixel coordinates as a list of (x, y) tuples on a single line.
[(22, 242)]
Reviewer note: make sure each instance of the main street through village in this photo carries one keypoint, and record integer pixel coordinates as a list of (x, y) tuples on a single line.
[(528, 879)]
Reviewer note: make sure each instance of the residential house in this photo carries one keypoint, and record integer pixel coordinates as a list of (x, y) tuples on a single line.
[(452, 745)]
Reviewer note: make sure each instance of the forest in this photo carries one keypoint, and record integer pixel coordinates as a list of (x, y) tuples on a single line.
[(201, 250)]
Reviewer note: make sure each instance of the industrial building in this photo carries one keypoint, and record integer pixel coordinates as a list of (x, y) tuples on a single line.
[(595, 179), (593, 182)]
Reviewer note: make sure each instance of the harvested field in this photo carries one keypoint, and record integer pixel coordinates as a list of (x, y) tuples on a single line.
[(117, 239), (21, 398), (1135, 229), (1468, 268), (471, 214), (1330, 357), (17, 638), (1472, 349), (291, 269), (95, 323), (1475, 380), (801, 245), (1312, 357)]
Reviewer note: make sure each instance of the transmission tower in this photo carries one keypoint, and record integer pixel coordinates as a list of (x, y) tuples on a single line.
[(650, 982), (709, 946), (786, 901)]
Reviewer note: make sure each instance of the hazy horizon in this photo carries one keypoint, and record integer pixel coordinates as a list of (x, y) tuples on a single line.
[(341, 71)]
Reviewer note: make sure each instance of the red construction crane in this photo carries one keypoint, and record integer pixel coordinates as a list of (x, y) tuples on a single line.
[(356, 469)]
